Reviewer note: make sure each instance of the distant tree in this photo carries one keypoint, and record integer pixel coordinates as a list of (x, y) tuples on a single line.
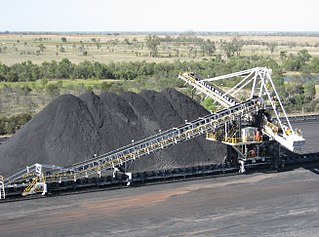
[(102, 71), (283, 55), (41, 47), (304, 55), (292, 44), (292, 63), (272, 46), (233, 47), (83, 50), (4, 69), (314, 65), (237, 45), (98, 45), (45, 70), (152, 42), (208, 47), (84, 70), (192, 51), (63, 39), (309, 90), (127, 41), (177, 53), (64, 69), (62, 49), (297, 62)]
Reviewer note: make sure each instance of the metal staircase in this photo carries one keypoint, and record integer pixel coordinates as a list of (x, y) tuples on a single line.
[(31, 188)]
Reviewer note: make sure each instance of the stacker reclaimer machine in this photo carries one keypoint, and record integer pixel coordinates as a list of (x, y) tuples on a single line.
[(251, 120)]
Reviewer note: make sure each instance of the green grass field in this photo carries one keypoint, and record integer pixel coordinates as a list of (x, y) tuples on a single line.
[(63, 84)]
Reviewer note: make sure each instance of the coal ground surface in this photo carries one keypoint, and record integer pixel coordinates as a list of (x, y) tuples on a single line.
[(275, 204), (72, 129), (310, 132)]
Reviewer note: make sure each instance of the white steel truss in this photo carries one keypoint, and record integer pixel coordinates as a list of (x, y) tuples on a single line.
[(258, 81)]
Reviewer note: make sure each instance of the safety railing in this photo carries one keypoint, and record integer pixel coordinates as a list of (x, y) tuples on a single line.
[(2, 190)]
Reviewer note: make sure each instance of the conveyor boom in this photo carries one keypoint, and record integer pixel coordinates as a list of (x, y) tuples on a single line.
[(151, 144), (208, 89)]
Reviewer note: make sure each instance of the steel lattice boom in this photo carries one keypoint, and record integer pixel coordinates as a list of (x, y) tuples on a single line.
[(260, 84)]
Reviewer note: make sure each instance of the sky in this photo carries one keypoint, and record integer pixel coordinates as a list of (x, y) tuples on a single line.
[(160, 15)]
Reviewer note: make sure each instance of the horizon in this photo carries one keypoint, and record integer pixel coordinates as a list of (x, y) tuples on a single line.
[(315, 32), (164, 16)]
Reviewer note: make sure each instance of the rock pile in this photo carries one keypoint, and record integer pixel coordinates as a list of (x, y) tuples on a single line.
[(71, 129)]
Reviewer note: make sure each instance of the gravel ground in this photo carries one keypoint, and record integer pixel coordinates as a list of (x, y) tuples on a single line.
[(277, 204), (311, 134)]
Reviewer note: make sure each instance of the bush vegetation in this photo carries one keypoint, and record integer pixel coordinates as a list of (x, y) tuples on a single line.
[(8, 125), (65, 69), (51, 77)]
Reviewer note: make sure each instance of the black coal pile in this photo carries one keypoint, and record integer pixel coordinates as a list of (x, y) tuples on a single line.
[(72, 129)]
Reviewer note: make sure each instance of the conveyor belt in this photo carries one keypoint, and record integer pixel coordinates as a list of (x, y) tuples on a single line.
[(143, 147), (208, 89)]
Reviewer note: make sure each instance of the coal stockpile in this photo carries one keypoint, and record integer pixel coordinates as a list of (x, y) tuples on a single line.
[(72, 129)]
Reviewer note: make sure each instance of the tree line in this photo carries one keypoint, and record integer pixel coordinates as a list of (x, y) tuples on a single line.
[(216, 65)]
